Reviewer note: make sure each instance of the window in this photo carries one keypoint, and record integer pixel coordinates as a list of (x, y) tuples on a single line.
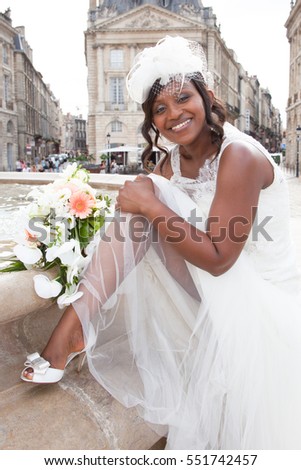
[(116, 126), (5, 54), (10, 127), (116, 92), (6, 93), (116, 59)]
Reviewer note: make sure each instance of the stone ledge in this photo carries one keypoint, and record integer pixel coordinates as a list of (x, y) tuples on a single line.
[(76, 413), (97, 180), (18, 297)]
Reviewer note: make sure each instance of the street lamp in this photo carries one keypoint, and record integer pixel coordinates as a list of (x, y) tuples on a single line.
[(108, 160), (298, 129)]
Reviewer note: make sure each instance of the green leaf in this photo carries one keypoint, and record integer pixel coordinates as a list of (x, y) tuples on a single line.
[(14, 266)]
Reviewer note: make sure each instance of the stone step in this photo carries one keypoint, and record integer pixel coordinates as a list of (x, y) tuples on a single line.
[(76, 413)]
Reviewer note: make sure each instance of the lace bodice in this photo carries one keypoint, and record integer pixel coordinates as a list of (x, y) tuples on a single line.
[(204, 184)]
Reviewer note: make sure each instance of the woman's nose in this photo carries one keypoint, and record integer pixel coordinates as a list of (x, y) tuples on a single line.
[(174, 111)]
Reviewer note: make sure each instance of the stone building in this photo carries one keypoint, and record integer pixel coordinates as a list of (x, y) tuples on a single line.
[(74, 138), (293, 130), (117, 31), (8, 108), (30, 115), (80, 135)]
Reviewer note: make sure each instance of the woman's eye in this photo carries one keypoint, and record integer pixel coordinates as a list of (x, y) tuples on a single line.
[(182, 98), (159, 109)]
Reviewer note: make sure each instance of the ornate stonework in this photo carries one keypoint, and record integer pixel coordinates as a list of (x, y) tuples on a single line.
[(148, 20), (117, 31)]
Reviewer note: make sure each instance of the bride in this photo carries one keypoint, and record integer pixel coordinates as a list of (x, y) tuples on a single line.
[(191, 304)]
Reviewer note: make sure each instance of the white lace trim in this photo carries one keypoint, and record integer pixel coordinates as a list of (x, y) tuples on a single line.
[(205, 182)]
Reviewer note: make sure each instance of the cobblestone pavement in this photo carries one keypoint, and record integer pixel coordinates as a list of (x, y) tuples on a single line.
[(294, 186), (295, 196)]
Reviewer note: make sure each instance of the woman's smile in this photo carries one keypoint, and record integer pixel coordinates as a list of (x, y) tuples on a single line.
[(181, 125)]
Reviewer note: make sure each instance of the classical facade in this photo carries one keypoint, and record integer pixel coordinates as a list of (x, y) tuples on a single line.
[(117, 31), (8, 108), (74, 135), (30, 115), (293, 130)]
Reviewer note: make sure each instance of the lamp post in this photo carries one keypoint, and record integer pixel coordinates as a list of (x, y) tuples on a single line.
[(108, 160), (298, 129)]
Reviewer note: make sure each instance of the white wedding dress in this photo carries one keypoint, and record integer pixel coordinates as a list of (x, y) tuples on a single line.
[(211, 362)]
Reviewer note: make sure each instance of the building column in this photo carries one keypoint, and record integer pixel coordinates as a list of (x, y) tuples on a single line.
[(132, 106), (100, 79)]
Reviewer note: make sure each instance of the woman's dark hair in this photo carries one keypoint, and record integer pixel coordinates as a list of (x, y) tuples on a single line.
[(212, 110)]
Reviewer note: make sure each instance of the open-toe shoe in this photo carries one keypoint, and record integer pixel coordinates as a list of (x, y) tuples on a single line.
[(43, 373)]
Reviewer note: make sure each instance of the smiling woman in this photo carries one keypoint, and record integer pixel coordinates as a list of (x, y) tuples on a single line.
[(185, 302)]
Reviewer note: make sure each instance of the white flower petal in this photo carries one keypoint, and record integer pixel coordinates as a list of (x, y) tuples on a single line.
[(51, 253), (67, 299), (28, 255), (46, 288)]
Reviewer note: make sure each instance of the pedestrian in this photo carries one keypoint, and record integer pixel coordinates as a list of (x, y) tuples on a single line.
[(113, 166), (18, 165), (190, 306)]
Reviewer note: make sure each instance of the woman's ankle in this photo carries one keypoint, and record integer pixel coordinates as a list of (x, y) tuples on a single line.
[(67, 338)]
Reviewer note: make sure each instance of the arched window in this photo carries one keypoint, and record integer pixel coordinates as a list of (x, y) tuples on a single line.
[(10, 127), (164, 3)]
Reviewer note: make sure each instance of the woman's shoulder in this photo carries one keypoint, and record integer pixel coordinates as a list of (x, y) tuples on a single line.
[(244, 158), (233, 135)]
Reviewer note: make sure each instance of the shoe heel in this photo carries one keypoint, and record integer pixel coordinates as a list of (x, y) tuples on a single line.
[(81, 361)]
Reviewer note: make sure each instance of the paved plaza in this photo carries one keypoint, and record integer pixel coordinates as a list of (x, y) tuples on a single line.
[(294, 185)]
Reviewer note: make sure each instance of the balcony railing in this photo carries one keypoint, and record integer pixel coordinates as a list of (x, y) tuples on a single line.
[(115, 106), (126, 106)]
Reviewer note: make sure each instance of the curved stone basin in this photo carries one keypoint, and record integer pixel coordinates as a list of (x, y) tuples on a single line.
[(76, 413)]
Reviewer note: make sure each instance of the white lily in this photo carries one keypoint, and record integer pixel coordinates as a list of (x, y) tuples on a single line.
[(29, 255), (45, 287), (70, 170), (51, 253), (68, 298), (82, 176), (67, 252)]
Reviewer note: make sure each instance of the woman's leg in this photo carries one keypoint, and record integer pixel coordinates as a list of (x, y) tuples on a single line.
[(103, 276)]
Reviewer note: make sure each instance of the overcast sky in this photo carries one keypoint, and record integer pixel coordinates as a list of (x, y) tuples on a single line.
[(55, 31), (255, 30)]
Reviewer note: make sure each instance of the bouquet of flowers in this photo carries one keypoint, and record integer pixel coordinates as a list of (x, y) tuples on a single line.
[(61, 227)]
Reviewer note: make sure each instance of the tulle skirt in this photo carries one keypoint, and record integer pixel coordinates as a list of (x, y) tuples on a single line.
[(210, 362)]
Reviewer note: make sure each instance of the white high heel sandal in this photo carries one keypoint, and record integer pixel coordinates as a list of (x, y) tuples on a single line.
[(43, 373)]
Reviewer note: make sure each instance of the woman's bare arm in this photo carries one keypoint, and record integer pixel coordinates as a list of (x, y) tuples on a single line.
[(243, 173)]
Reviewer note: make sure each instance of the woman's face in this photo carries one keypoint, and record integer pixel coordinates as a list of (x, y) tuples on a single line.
[(178, 113)]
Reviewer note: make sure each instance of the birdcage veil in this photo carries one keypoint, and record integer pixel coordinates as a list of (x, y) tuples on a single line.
[(173, 60)]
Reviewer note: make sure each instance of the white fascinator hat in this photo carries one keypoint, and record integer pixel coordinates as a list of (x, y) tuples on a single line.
[(172, 58)]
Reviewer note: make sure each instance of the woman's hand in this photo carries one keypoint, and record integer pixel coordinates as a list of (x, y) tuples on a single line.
[(136, 196)]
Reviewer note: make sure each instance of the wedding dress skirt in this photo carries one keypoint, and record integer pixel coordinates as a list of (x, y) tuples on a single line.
[(211, 362)]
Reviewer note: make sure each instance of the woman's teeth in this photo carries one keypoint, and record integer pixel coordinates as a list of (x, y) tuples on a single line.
[(179, 126)]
